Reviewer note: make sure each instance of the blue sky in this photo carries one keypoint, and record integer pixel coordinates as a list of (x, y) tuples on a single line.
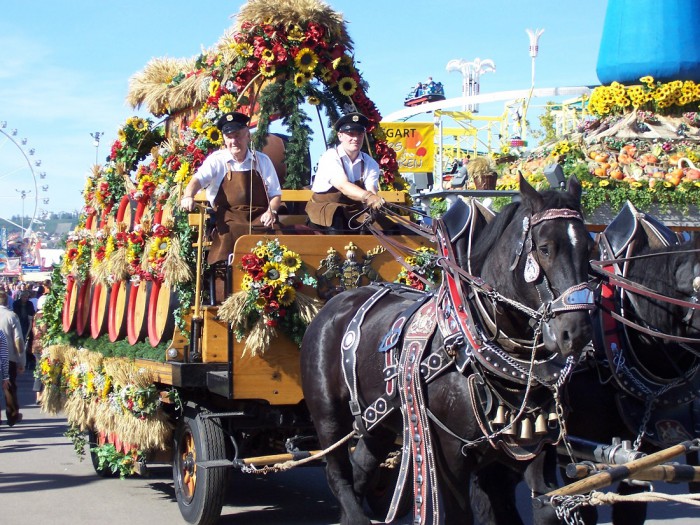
[(65, 66)]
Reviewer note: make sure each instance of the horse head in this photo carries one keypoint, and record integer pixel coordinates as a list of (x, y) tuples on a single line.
[(673, 273), (539, 257)]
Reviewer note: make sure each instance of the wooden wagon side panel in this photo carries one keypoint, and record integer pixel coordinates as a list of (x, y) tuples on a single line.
[(274, 375)]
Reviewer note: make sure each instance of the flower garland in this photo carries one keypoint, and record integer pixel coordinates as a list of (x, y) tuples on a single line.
[(76, 260), (270, 297), (424, 264)]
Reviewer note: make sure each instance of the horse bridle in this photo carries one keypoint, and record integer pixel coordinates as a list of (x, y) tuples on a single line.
[(693, 304)]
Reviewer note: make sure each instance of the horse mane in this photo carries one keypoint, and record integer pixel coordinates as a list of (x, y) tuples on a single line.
[(551, 199)]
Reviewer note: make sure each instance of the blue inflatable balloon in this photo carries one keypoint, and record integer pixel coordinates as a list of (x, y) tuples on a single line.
[(650, 37)]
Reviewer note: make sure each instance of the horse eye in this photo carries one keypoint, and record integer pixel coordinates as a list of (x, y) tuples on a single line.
[(544, 250)]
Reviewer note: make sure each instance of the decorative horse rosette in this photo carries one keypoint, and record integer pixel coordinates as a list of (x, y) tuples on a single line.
[(270, 297)]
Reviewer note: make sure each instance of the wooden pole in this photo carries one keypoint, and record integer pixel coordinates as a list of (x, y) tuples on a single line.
[(670, 473), (608, 477)]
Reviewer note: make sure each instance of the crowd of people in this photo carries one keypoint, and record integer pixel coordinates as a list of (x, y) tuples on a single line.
[(21, 329)]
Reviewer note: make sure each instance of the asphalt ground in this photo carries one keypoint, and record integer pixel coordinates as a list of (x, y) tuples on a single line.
[(43, 481)]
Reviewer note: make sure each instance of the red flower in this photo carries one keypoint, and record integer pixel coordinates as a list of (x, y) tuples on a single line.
[(272, 306), (72, 253), (250, 261), (267, 291), (271, 322)]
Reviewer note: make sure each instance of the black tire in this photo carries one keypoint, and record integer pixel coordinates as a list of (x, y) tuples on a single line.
[(200, 492), (101, 472), (381, 490)]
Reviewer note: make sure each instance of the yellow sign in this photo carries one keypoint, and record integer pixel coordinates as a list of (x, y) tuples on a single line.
[(413, 143)]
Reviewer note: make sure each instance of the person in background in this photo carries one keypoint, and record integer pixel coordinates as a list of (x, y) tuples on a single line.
[(39, 330), (4, 364), (347, 179), (461, 179), (24, 308), (9, 325)]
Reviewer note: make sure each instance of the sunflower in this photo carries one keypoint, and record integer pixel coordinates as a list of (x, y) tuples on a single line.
[(314, 101), (300, 79), (244, 49), (291, 261), (344, 60), (246, 282), (603, 183), (286, 295), (306, 60), (159, 248), (214, 135), (326, 74), (121, 135), (214, 86), (347, 86), (267, 55), (227, 103), (274, 272), (267, 69), (140, 124)]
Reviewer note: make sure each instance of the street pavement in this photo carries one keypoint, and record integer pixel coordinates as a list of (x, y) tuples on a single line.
[(43, 481)]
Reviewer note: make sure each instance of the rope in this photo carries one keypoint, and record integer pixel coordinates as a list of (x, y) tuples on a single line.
[(608, 498), (290, 464)]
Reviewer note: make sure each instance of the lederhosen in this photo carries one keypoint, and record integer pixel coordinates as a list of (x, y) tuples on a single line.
[(234, 207), (332, 208)]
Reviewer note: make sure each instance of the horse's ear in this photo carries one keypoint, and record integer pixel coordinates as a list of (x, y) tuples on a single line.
[(530, 194), (574, 188)]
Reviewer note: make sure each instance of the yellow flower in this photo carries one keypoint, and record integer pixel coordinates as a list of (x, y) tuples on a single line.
[(314, 101), (214, 86), (246, 282), (261, 251), (295, 34), (121, 135), (603, 183), (267, 55), (267, 69), (244, 49), (344, 60), (140, 124), (306, 60), (182, 172), (347, 86), (636, 185), (286, 295), (291, 261), (648, 80), (325, 74), (274, 272), (299, 79), (214, 135), (227, 103)]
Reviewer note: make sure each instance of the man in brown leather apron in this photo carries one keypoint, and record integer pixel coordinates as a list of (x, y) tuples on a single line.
[(242, 187), (347, 179)]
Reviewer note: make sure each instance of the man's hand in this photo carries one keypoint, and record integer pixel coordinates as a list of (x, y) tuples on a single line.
[(374, 201), (5, 384), (187, 203), (269, 218)]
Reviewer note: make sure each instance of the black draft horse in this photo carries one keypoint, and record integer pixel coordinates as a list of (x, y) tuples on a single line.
[(560, 247), (604, 405), (668, 370)]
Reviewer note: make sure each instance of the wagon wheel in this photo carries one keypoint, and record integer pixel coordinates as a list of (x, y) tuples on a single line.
[(200, 491), (93, 440)]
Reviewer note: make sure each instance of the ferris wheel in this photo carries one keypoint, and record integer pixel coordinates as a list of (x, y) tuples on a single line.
[(22, 180)]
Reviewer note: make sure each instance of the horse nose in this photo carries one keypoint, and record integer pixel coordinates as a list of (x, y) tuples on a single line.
[(575, 336)]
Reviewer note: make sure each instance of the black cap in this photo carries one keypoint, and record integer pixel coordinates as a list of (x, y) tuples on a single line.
[(351, 122), (232, 122)]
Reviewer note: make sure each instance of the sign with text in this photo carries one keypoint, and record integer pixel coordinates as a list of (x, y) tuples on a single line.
[(413, 143)]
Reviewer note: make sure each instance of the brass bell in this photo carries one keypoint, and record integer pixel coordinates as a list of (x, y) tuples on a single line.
[(540, 424), (500, 416), (526, 429), (552, 417), (510, 431)]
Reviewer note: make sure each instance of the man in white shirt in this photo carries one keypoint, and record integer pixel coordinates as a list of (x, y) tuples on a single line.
[(241, 185), (347, 179)]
